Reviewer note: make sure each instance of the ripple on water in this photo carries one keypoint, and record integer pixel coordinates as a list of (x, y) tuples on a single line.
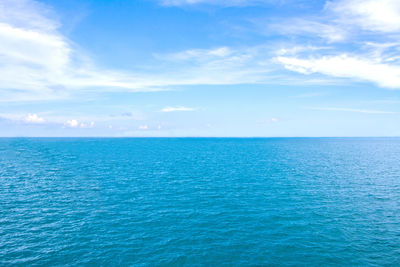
[(200, 201)]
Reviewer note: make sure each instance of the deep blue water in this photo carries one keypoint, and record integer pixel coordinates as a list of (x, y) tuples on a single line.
[(199, 201)]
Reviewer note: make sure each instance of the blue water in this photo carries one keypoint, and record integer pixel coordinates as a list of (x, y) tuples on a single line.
[(194, 201)]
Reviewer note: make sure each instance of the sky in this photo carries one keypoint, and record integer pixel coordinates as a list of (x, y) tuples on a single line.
[(169, 68)]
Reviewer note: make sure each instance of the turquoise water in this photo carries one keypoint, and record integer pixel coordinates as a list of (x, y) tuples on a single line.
[(199, 201)]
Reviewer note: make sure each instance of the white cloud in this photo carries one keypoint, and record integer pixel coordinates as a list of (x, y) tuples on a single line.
[(35, 15), (356, 24), (347, 66), (56, 119), (371, 15), (345, 19), (173, 109), (33, 118), (342, 20), (271, 120), (143, 127), (71, 123), (76, 124), (36, 58), (37, 62), (86, 125)]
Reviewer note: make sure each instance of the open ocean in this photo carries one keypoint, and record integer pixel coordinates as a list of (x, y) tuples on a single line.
[(200, 201)]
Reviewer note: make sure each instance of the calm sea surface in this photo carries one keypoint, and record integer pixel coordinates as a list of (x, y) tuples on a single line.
[(199, 201)]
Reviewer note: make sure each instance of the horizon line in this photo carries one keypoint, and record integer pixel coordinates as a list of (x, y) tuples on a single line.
[(243, 137)]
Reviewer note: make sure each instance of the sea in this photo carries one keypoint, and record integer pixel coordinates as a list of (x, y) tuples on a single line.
[(200, 202)]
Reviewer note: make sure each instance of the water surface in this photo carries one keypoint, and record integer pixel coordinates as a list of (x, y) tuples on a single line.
[(199, 201)]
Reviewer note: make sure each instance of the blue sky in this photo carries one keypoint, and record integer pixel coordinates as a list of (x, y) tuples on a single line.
[(200, 68)]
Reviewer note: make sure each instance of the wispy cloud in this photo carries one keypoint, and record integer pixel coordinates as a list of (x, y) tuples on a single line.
[(347, 66), (329, 32), (341, 20), (370, 15), (174, 109), (221, 65), (364, 23), (38, 62), (367, 111)]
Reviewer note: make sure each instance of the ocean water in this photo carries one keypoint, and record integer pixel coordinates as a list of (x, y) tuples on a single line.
[(200, 202)]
